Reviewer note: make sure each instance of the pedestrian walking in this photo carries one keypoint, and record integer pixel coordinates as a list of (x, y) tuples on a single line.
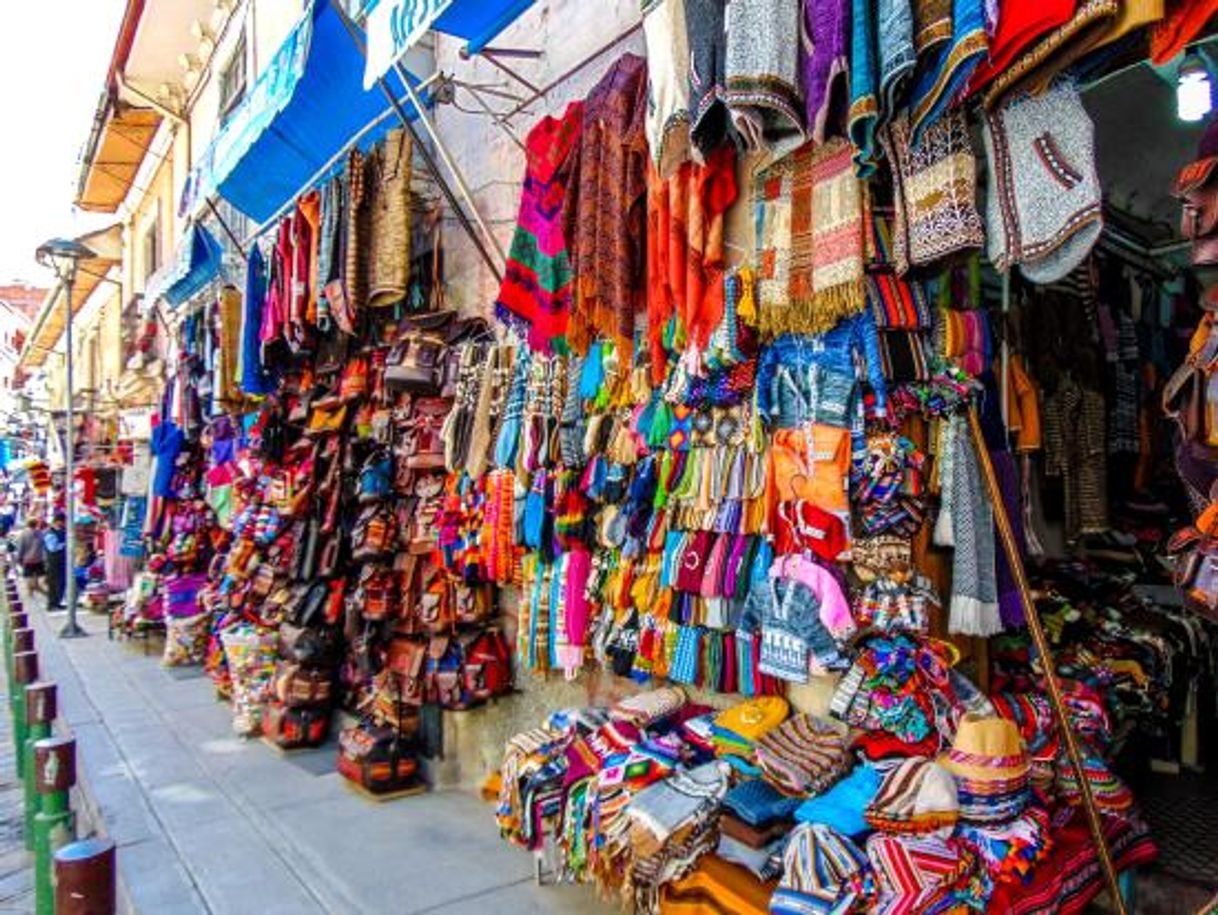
[(31, 556)]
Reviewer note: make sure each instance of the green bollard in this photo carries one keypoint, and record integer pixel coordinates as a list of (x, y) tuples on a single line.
[(40, 710), (54, 775), (25, 672), (16, 623), (19, 640)]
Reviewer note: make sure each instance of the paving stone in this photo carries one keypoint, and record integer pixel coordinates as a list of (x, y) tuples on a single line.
[(208, 822)]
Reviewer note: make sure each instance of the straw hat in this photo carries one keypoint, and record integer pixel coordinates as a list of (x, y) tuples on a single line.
[(987, 749)]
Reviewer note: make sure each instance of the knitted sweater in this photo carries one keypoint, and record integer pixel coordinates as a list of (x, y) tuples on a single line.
[(837, 352)]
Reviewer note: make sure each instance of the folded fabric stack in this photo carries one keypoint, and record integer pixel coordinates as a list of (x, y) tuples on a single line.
[(842, 806), (673, 823), (991, 768), (717, 887), (735, 732), (754, 826), (917, 874), (803, 755)]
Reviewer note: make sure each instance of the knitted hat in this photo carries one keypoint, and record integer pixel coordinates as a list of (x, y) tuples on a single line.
[(804, 755), (823, 871), (987, 750), (1044, 208), (917, 796)]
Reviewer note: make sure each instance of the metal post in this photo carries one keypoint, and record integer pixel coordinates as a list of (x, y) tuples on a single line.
[(21, 639), (84, 878), (462, 217), (1011, 548), (25, 672), (71, 629), (54, 774), (40, 710)]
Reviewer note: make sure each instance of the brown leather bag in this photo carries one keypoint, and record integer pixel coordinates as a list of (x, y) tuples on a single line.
[(1197, 187), (296, 686)]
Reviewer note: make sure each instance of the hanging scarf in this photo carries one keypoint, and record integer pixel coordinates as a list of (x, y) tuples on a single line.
[(974, 603)]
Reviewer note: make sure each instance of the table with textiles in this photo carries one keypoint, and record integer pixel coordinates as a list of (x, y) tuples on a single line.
[(674, 807)]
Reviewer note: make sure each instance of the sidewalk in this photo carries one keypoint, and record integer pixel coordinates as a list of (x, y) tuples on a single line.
[(208, 822)]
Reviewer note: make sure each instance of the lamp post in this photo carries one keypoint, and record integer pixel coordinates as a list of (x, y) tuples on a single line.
[(63, 255)]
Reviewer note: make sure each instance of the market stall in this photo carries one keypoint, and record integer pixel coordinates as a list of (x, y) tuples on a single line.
[(822, 403)]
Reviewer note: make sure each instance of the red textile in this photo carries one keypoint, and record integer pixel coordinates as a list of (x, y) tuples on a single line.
[(685, 256), (1068, 880), (1020, 23), (1184, 22)]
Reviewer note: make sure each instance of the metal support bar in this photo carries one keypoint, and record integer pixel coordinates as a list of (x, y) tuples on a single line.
[(567, 74), (500, 122), (495, 268), (232, 236), (451, 165), (509, 71), (1015, 560), (520, 53)]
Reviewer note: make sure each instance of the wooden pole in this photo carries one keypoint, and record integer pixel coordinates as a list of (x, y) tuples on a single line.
[(1009, 545)]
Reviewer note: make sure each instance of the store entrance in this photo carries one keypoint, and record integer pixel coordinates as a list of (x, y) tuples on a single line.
[(1115, 480)]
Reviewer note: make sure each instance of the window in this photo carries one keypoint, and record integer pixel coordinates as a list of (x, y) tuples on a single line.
[(232, 79), (151, 246)]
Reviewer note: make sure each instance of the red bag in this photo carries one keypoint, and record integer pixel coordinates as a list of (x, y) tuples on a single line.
[(293, 727), (376, 758), (488, 666)]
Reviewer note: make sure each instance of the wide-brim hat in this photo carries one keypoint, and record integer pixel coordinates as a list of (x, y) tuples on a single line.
[(987, 749)]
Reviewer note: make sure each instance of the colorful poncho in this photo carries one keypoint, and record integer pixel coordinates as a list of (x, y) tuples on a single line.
[(810, 220), (538, 285)]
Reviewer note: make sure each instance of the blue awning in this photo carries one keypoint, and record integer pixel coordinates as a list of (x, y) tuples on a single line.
[(479, 21), (303, 110), (198, 260), (394, 26)]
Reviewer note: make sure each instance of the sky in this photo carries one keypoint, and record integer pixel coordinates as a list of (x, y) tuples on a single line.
[(53, 60)]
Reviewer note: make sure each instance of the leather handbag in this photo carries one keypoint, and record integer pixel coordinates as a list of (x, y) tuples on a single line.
[(295, 726), (487, 667), (376, 595), (405, 659), (1197, 188), (295, 685), (417, 362), (377, 758), (1195, 551), (422, 443), (310, 647)]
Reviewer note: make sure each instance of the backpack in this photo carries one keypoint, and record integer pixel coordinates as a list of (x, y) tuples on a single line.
[(487, 667)]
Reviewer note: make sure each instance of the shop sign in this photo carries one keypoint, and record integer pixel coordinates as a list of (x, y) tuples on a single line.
[(394, 27), (136, 423)]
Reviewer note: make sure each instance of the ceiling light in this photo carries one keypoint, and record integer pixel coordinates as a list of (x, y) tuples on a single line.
[(1194, 90)]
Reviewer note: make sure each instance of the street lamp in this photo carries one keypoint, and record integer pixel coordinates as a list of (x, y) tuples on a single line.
[(63, 255)]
